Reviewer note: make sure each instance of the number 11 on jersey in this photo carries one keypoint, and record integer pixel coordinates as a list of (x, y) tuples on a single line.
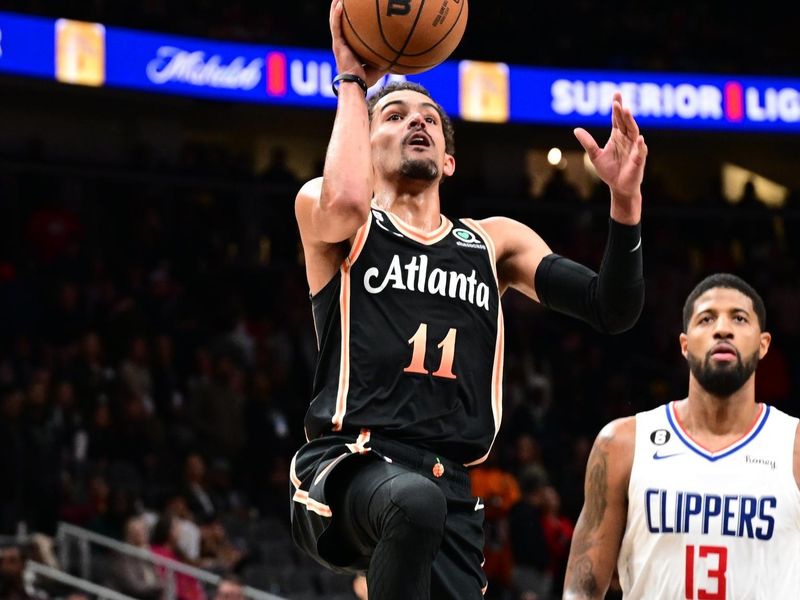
[(419, 343), (718, 575)]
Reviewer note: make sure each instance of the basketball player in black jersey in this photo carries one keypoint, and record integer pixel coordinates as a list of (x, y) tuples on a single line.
[(406, 303)]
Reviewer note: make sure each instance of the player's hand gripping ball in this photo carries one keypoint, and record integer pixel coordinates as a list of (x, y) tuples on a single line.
[(404, 36)]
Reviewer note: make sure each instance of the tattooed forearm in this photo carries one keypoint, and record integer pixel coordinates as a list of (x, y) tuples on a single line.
[(581, 582), (596, 487), (584, 577)]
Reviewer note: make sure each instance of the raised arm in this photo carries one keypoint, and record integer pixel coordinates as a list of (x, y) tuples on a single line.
[(341, 204), (611, 300), (330, 209), (598, 533)]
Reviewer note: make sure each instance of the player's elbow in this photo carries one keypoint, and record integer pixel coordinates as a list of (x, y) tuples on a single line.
[(344, 206), (621, 313)]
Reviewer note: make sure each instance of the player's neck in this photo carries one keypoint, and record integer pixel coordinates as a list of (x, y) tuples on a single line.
[(418, 208), (705, 415)]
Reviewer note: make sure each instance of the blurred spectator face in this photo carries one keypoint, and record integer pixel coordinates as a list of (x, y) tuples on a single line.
[(98, 489), (102, 417), (229, 590), (551, 501), (37, 393), (139, 350), (12, 405), (11, 563), (135, 409), (195, 468), (164, 349), (77, 596), (527, 450), (92, 347), (136, 532), (65, 395), (178, 507), (68, 296)]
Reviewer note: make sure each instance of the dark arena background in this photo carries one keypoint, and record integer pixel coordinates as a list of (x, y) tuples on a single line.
[(156, 340)]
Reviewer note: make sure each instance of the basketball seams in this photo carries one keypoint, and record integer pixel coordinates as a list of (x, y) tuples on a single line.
[(360, 39), (456, 21), (363, 43), (416, 28), (410, 32)]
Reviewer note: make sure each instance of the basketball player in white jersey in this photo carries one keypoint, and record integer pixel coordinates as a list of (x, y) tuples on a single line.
[(698, 499)]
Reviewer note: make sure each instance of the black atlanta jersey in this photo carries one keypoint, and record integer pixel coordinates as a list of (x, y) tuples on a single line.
[(410, 335)]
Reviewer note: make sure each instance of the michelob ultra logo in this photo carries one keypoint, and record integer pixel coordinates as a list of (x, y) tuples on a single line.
[(305, 78)]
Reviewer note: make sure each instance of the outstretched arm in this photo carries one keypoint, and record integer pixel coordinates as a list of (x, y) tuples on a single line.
[(611, 300), (598, 533)]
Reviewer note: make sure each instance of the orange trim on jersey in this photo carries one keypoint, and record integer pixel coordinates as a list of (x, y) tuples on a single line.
[(301, 496), (359, 242), (497, 382), (293, 474), (418, 235), (344, 359), (729, 446), (487, 239), (360, 447), (321, 509), (330, 466), (499, 349)]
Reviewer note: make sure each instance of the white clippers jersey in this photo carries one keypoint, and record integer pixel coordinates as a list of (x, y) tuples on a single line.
[(706, 525)]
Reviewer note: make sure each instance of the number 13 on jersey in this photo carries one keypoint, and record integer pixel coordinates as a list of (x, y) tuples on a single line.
[(716, 574), (419, 342)]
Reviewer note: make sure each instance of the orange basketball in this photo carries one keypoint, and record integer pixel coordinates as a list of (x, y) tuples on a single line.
[(404, 36)]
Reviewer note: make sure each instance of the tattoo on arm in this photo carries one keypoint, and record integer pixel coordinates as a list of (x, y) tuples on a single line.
[(581, 579)]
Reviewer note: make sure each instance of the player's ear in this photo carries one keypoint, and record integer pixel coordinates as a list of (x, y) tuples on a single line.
[(684, 342), (449, 165), (763, 346)]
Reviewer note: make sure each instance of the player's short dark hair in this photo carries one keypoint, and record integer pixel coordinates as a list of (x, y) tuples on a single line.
[(724, 280), (397, 86)]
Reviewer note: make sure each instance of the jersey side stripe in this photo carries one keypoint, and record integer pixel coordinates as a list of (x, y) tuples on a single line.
[(499, 349), (344, 364), (359, 242)]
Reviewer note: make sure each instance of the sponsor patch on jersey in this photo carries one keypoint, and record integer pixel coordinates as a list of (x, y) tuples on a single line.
[(660, 437), (466, 239)]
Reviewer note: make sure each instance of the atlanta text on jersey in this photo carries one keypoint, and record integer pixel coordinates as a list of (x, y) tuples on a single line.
[(438, 281)]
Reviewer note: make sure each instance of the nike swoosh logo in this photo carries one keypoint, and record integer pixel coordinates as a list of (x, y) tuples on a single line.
[(479, 505), (658, 456), (637, 246)]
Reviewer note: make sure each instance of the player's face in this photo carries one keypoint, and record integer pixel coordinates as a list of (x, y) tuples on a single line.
[(408, 139), (723, 341)]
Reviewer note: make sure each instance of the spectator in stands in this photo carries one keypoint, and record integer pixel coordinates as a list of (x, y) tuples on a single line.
[(558, 534), (278, 171), (196, 492), (135, 576), (12, 565), (164, 542), (229, 588), (498, 490), (217, 552), (528, 543)]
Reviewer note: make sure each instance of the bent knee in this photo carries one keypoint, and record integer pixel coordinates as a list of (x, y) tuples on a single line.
[(420, 501)]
